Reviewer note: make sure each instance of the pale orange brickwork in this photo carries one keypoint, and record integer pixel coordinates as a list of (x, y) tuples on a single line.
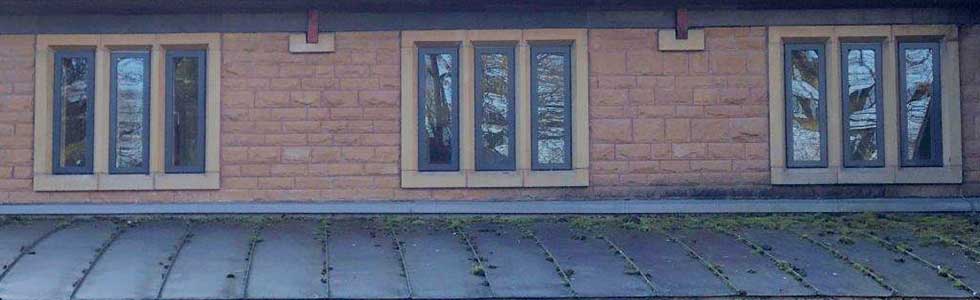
[(679, 118), (326, 126)]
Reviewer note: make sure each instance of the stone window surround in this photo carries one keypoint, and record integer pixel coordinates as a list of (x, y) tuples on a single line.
[(892, 172), (467, 176), (100, 179)]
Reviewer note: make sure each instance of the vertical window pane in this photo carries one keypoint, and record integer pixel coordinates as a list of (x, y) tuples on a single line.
[(185, 111), (73, 95), (862, 106), (806, 141), (438, 111), (130, 113), (551, 108), (495, 109), (921, 134)]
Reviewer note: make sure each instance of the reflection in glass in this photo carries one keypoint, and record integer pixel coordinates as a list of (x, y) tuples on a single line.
[(805, 105), (75, 104), (438, 92), (919, 85), (862, 106), (186, 125), (130, 84), (495, 127), (551, 107)]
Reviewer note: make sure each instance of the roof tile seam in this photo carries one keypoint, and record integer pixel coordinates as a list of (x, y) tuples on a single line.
[(704, 261), (941, 271), (172, 259), (781, 264), (24, 250), (99, 252), (554, 260), (880, 280), (479, 261)]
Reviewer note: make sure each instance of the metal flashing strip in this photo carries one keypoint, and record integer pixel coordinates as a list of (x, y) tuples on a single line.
[(515, 207)]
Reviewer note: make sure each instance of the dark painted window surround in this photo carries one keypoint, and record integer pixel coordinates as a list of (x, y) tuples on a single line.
[(84, 166), (487, 160), (878, 97), (195, 164), (426, 153), (144, 165), (933, 112), (821, 113), (563, 51)]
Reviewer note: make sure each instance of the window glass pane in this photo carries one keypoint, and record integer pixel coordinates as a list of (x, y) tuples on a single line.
[(438, 112), (805, 105), (495, 112), (862, 107), (551, 110), (186, 111), (131, 91), (75, 102), (920, 111)]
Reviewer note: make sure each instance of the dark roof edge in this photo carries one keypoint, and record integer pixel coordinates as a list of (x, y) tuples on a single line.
[(385, 21), (54, 7)]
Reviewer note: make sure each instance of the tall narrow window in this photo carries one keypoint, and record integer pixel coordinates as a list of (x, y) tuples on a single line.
[(185, 114), (551, 108), (921, 123), (495, 117), (74, 115), (806, 108), (438, 118), (862, 107), (129, 115)]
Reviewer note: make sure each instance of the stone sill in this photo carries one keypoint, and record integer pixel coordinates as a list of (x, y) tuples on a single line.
[(952, 174), (126, 182), (495, 179)]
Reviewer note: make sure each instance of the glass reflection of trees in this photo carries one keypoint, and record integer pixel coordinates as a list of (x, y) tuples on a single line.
[(495, 126), (438, 116), (805, 102), (75, 105), (130, 108), (862, 105), (918, 96), (551, 95), (186, 110)]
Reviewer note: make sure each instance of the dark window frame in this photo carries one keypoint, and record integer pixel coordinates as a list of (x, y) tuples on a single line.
[(87, 168), (788, 109), (199, 165), (424, 164), (483, 162), (879, 109), (566, 51), (936, 134), (113, 112)]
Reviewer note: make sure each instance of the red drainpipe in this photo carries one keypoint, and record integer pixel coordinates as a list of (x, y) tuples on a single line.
[(681, 23), (312, 26)]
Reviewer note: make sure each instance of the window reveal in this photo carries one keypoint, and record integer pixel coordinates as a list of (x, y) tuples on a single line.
[(551, 110), (185, 111), (129, 112), (74, 91), (921, 125), (438, 109), (495, 116), (806, 105), (863, 112)]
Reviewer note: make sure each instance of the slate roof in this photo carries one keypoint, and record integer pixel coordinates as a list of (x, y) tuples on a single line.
[(318, 257)]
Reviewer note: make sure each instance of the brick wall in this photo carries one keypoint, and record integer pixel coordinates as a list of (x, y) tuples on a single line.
[(16, 114), (970, 101), (669, 119), (326, 126)]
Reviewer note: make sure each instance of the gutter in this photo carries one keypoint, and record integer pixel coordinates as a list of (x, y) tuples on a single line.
[(647, 206)]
